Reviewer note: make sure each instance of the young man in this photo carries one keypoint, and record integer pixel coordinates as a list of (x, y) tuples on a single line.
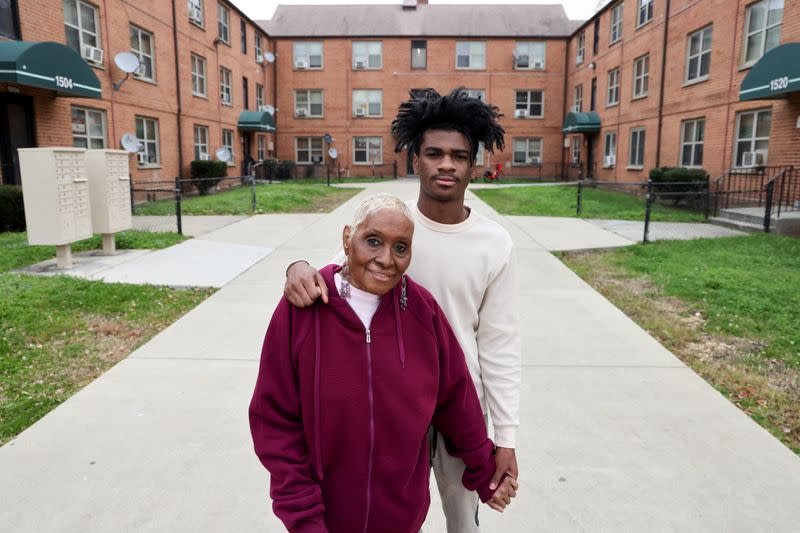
[(467, 262)]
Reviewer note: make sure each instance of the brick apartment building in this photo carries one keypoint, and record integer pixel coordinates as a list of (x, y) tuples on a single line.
[(201, 67)]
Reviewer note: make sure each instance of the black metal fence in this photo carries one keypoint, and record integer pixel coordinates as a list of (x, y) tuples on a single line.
[(331, 172)]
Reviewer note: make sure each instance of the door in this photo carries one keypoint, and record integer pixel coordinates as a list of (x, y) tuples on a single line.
[(16, 131), (590, 155), (246, 157)]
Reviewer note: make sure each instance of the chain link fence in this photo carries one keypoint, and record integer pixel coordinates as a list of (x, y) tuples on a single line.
[(154, 206)]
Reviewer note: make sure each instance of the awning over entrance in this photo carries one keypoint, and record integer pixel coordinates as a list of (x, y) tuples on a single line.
[(774, 76), (581, 122), (256, 121), (51, 66)]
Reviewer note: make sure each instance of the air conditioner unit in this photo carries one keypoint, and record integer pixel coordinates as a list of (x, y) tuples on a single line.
[(610, 160), (141, 157), (196, 14), (579, 58), (204, 156), (575, 109), (300, 64), (749, 159), (140, 71), (521, 113), (263, 108), (359, 64), (90, 53), (534, 160), (300, 112), (259, 58), (361, 111), (523, 61), (761, 158), (538, 63)]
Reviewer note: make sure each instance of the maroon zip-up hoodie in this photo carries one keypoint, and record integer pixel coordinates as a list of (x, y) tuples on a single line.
[(340, 414)]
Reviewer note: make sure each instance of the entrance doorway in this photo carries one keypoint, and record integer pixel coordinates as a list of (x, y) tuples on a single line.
[(590, 156), (16, 131), (245, 153)]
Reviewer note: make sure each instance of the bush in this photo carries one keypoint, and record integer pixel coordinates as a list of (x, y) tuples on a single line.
[(206, 174), (12, 209), (285, 170), (676, 180), (268, 169)]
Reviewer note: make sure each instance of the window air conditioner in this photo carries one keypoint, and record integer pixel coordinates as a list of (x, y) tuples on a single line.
[(263, 108), (300, 64), (610, 160), (300, 112), (196, 15), (140, 71), (90, 53), (575, 109), (523, 61), (760, 158), (141, 158), (259, 58), (204, 156), (534, 160), (748, 159), (579, 58), (521, 113), (360, 112), (538, 63), (360, 64)]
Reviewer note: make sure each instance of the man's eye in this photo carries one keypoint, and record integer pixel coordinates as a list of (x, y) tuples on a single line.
[(461, 157)]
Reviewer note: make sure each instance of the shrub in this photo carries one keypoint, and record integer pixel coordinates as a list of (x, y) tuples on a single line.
[(12, 209), (206, 174), (268, 169), (285, 170), (677, 180)]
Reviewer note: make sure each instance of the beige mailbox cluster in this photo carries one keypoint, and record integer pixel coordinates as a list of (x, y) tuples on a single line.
[(69, 193)]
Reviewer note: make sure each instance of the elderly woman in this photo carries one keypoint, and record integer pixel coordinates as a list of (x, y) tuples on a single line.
[(346, 392)]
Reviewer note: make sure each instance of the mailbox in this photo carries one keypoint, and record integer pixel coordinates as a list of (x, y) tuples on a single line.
[(109, 190)]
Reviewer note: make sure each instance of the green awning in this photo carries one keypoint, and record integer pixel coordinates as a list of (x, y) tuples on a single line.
[(48, 66), (774, 76), (581, 122), (256, 121)]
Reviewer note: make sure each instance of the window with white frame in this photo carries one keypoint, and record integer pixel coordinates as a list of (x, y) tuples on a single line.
[(367, 103), (367, 150), (578, 99), (636, 152), (147, 132), (698, 55), (227, 142), (470, 55), (142, 46), (612, 95), (692, 134), (576, 149), (223, 24), (308, 150), (258, 46), (367, 55), (610, 149), (307, 54), (615, 33), (479, 155), (198, 75), (641, 76), (259, 96), (527, 151), (261, 148), (196, 12), (530, 55), (88, 128), (752, 138), (225, 87), (9, 20), (762, 29), (645, 13), (581, 48), (480, 94), (81, 24), (419, 54), (529, 104), (308, 103), (201, 142)]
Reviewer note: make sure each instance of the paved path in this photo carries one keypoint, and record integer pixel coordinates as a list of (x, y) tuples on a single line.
[(618, 435)]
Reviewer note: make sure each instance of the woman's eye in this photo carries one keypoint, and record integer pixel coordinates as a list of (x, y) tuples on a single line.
[(373, 241), (401, 248)]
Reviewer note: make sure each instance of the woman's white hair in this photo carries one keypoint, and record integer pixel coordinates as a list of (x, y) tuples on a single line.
[(375, 203)]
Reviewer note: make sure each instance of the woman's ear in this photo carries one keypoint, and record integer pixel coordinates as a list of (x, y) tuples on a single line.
[(346, 240)]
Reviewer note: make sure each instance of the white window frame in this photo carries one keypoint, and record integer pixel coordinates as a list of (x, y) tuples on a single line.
[(149, 147), (580, 52), (479, 155), (700, 35), (370, 53), (423, 55), (309, 148), (224, 24), (532, 147), (692, 127), (199, 77), (575, 151), (529, 48), (86, 111), (615, 29), (305, 50), (644, 13), (144, 58), (259, 96), (261, 147), (225, 86), (763, 30), (529, 103), (85, 35), (612, 89), (754, 139), (258, 45), (228, 140), (609, 147), (197, 4), (374, 145), (637, 148), (368, 98), (641, 76), (200, 141), (577, 102), (309, 93), (474, 51)]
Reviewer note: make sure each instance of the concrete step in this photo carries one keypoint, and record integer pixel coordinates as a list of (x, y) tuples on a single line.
[(750, 215), (740, 225)]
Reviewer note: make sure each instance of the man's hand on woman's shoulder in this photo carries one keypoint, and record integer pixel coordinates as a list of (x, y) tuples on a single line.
[(304, 285)]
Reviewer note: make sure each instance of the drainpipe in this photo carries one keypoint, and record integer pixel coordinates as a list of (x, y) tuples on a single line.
[(177, 87), (566, 88), (275, 98), (661, 91)]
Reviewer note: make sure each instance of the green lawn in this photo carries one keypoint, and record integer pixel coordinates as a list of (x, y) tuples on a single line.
[(560, 201), (59, 333)]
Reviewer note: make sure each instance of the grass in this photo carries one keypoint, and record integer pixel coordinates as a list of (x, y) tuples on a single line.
[(59, 333), (560, 201), (286, 197), (727, 307)]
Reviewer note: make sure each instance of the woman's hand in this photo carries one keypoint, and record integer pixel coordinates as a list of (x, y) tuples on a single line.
[(502, 496), (304, 285)]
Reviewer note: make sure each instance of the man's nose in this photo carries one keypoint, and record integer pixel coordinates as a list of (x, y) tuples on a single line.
[(446, 164)]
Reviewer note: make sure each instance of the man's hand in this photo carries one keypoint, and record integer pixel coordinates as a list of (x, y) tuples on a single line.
[(304, 285), (502, 496), (505, 460)]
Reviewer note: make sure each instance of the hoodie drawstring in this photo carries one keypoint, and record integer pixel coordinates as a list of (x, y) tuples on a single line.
[(317, 423), (400, 344)]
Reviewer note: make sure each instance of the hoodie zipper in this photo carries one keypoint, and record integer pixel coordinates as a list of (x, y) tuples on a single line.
[(371, 429)]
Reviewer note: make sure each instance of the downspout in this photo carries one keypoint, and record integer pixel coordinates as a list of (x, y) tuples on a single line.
[(177, 87), (275, 98), (661, 83), (564, 104)]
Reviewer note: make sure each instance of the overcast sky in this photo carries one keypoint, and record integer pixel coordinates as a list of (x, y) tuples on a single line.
[(263, 9)]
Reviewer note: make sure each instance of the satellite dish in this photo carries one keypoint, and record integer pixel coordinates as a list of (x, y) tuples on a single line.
[(269, 109), (333, 153), (327, 138), (270, 57), (130, 143), (127, 62), (223, 154)]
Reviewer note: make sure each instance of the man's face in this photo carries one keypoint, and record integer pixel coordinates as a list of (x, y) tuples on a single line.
[(444, 165)]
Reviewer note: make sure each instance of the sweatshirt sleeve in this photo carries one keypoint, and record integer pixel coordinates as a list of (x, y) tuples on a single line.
[(277, 429), (458, 416)]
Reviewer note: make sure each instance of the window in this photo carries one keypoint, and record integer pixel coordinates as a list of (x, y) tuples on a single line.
[(243, 26), (198, 76), (578, 106), (227, 142), (479, 155), (307, 55), (530, 55), (596, 38), (527, 151), (470, 55), (147, 132), (636, 154), (261, 149), (529, 104), (480, 94), (593, 96), (88, 128), (308, 103), (419, 54), (610, 149), (367, 150), (81, 23), (641, 75), (223, 24), (225, 90), (367, 103), (698, 51), (142, 46), (196, 12), (259, 50), (762, 29), (367, 55), (615, 34), (576, 149), (612, 96), (259, 96), (308, 150), (201, 142), (645, 12), (9, 19), (245, 93), (752, 138), (581, 48), (692, 133)]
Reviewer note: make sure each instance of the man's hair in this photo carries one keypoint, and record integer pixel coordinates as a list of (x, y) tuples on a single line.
[(457, 111), (375, 203)]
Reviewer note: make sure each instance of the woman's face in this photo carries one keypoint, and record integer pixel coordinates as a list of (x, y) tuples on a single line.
[(380, 251)]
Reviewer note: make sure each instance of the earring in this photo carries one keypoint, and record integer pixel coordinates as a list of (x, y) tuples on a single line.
[(403, 294), (344, 290)]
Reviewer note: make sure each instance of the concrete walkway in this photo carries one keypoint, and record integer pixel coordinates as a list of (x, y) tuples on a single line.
[(617, 434)]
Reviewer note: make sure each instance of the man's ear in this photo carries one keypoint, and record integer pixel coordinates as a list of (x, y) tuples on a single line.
[(415, 163)]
